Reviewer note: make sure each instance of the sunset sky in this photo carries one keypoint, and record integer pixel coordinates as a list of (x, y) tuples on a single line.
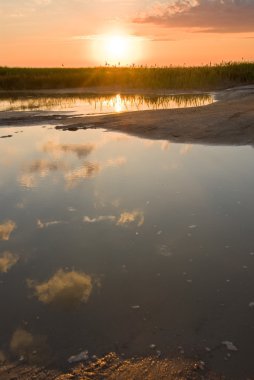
[(79, 33)]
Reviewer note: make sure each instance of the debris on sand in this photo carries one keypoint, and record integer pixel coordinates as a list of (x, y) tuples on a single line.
[(5, 137), (83, 356), (230, 346), (111, 367)]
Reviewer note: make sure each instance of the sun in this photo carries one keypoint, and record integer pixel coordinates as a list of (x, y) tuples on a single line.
[(117, 49)]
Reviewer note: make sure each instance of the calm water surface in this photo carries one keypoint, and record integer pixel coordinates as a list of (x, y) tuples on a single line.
[(114, 243), (94, 104)]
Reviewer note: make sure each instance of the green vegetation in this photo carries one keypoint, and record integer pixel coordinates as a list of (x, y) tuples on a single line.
[(182, 78)]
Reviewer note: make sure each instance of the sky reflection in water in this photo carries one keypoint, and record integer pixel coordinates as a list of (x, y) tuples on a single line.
[(111, 243), (93, 104)]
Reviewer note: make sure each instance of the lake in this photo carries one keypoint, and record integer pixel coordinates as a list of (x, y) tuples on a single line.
[(115, 243)]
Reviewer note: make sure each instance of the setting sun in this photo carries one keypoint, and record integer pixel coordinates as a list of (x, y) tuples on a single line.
[(117, 49)]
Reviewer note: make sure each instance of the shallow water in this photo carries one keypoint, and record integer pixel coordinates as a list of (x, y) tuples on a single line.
[(114, 243), (94, 104)]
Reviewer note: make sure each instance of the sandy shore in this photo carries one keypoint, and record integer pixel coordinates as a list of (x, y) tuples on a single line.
[(228, 121)]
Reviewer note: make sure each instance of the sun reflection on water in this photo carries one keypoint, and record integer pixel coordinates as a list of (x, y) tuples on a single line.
[(98, 104)]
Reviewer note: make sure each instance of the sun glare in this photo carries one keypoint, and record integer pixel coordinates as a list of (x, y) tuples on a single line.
[(118, 49)]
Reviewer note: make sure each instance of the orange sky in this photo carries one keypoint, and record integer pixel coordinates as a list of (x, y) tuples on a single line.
[(77, 32)]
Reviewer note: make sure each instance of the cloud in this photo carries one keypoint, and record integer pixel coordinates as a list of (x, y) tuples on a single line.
[(6, 229), (104, 37), (211, 16), (7, 260), (64, 288)]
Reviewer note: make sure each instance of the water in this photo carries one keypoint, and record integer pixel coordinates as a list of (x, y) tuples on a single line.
[(113, 243), (94, 104)]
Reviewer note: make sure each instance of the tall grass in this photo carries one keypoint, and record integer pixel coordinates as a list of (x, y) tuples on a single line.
[(179, 78)]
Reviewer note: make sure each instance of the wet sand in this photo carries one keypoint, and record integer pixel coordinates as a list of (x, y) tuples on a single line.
[(229, 121)]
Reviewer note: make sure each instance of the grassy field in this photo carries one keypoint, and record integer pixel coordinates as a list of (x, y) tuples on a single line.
[(179, 78)]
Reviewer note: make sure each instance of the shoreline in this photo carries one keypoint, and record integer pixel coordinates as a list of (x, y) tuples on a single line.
[(228, 121)]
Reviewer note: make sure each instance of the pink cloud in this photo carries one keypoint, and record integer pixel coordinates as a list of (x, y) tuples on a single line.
[(229, 16)]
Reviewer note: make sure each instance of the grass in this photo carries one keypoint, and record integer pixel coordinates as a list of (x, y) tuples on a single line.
[(179, 78)]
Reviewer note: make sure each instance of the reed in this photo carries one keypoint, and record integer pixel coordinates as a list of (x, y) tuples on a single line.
[(207, 77)]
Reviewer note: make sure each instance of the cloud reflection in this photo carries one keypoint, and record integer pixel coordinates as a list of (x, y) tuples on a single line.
[(135, 216), (90, 170), (27, 180), (81, 150), (2, 357), (23, 343), (6, 229), (102, 218), (125, 218), (43, 167), (42, 225), (7, 260), (185, 149), (64, 288)]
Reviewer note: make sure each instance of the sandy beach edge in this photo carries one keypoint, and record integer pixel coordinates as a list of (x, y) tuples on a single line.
[(228, 121)]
